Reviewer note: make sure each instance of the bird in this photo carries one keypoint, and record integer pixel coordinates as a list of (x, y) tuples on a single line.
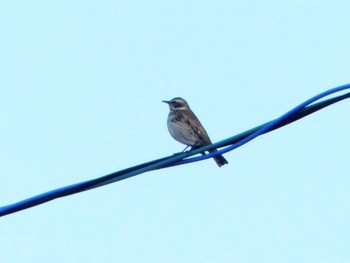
[(184, 127)]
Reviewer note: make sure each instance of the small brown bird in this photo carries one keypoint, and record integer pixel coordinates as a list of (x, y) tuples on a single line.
[(184, 127)]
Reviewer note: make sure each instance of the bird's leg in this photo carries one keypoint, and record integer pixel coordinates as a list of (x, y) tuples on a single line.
[(196, 147), (185, 149), (182, 151)]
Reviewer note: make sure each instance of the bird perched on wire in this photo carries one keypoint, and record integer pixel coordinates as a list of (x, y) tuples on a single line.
[(185, 127)]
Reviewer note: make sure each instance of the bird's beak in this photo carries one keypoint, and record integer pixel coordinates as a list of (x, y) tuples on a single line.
[(166, 101)]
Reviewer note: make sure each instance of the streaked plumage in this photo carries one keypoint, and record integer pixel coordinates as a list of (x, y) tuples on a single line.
[(185, 127)]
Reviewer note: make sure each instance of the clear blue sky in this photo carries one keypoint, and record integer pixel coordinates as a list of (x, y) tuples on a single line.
[(81, 89)]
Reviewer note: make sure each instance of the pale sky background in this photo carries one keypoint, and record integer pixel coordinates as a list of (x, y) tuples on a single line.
[(81, 89)]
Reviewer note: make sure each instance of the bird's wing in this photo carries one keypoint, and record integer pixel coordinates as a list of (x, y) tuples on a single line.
[(192, 120)]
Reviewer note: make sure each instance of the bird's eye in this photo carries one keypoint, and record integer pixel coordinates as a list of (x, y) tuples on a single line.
[(177, 104)]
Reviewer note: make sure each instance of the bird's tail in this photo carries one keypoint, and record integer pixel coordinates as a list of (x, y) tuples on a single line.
[(219, 159)]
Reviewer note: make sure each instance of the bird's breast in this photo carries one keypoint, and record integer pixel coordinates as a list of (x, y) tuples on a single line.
[(181, 130)]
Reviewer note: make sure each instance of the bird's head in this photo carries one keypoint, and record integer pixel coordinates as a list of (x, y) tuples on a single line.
[(177, 104)]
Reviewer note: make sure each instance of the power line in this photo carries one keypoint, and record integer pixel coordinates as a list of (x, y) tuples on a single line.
[(304, 109)]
